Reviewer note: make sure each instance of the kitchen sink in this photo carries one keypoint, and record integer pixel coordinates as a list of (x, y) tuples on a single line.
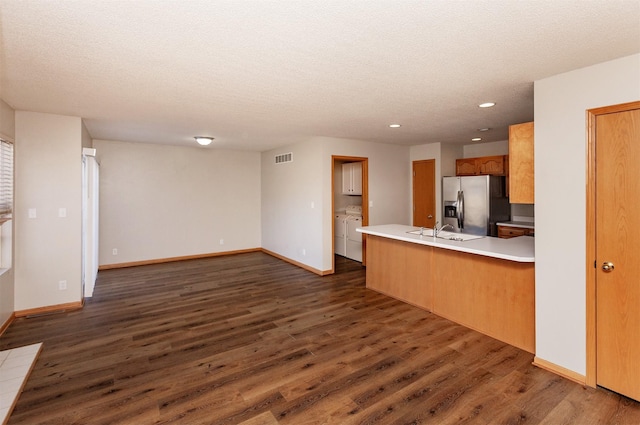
[(457, 236), (427, 232), (450, 236)]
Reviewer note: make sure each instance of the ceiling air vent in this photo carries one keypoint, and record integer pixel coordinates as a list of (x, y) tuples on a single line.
[(285, 157)]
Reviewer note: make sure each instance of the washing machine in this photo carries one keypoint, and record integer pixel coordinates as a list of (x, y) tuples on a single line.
[(340, 233), (354, 238)]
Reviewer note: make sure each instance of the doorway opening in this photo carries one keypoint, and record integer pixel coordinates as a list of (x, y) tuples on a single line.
[(349, 201)]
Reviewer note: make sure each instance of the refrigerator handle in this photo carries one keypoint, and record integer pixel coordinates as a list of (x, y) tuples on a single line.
[(460, 210)]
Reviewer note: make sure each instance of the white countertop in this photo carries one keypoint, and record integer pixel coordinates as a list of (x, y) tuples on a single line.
[(520, 249), (522, 224)]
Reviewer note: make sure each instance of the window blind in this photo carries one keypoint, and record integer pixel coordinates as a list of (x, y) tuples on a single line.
[(6, 179)]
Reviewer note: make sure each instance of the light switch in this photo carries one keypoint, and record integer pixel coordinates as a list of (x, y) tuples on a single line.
[(62, 212), (32, 213)]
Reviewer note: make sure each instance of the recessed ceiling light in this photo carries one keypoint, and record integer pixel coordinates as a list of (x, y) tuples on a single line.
[(476, 139), (203, 140), (395, 125), (484, 129), (487, 104)]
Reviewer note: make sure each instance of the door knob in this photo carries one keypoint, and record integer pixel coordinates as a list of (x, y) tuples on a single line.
[(429, 216), (607, 266)]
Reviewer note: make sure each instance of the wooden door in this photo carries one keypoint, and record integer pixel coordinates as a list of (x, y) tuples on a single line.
[(617, 191), (424, 193)]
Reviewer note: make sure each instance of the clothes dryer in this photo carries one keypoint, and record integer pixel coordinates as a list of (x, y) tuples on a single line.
[(353, 238), (340, 234)]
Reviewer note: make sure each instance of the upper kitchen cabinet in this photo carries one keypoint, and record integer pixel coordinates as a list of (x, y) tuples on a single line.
[(497, 165), (466, 167), (352, 178), (521, 188)]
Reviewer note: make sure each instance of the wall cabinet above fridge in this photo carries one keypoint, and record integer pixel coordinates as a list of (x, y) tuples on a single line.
[(497, 165), (352, 178)]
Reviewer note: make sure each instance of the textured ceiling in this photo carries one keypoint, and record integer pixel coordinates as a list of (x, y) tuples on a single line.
[(261, 74)]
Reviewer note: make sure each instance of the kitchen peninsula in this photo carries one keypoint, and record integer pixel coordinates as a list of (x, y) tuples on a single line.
[(486, 284)]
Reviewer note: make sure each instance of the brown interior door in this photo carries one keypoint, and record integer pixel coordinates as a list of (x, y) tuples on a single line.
[(617, 247), (424, 193)]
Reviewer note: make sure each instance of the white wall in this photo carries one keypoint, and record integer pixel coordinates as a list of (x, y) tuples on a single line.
[(560, 180), (289, 222), (87, 141), (48, 176), (291, 225), (449, 153), (160, 201), (388, 177), (486, 149), (7, 132), (389, 184)]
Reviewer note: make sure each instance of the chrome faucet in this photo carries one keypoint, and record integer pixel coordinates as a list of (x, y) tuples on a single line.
[(437, 230)]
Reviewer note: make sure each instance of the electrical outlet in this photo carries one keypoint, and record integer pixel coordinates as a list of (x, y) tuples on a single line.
[(62, 285), (221, 241), (115, 251), (304, 252)]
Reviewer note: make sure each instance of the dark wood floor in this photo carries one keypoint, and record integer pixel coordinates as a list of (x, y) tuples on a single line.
[(249, 339)]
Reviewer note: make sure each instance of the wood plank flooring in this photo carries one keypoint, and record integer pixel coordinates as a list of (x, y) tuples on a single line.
[(249, 339)]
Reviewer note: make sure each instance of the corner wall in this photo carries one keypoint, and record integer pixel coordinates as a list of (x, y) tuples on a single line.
[(48, 177), (7, 130), (160, 201), (561, 102), (297, 218)]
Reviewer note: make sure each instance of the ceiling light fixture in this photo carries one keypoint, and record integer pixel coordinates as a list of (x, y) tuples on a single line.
[(395, 125), (487, 104), (203, 140), (476, 139)]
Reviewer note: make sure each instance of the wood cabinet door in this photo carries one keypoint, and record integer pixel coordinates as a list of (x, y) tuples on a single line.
[(491, 165), (617, 187), (466, 167), (521, 164), (507, 232), (487, 165)]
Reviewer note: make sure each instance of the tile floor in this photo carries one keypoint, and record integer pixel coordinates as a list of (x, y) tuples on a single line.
[(15, 366)]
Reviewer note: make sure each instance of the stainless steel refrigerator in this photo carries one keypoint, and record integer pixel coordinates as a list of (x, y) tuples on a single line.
[(474, 204)]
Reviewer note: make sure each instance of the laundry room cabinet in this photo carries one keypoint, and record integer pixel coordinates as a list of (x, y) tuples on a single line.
[(352, 178)]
